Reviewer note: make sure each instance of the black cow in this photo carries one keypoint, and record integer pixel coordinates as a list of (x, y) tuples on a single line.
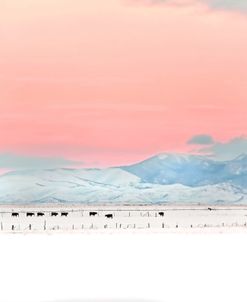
[(65, 214), (161, 214), (93, 213), (210, 209), (109, 216), (29, 214), (54, 213), (39, 214), (14, 214)]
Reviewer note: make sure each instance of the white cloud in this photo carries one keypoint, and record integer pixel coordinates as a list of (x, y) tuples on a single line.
[(237, 5), (227, 150), (201, 139), (13, 161), (227, 4)]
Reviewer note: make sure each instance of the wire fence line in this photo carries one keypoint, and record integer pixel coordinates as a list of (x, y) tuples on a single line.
[(73, 227)]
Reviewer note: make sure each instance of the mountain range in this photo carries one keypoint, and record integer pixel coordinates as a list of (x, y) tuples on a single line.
[(164, 178)]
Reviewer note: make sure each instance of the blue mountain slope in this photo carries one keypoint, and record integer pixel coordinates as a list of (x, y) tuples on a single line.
[(190, 170)]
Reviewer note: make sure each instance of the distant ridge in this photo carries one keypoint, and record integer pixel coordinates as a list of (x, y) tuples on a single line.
[(164, 178), (190, 170)]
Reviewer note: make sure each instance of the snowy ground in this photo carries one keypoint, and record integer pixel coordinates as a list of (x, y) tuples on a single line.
[(87, 218)]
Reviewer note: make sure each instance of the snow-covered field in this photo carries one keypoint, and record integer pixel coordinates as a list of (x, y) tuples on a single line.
[(116, 218)]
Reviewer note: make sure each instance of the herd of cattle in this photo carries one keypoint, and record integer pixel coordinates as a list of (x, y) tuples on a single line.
[(39, 214), (64, 214)]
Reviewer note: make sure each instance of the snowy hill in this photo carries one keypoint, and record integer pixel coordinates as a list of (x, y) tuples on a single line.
[(190, 170), (165, 178)]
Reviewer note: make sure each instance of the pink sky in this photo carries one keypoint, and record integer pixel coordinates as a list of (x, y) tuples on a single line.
[(112, 82)]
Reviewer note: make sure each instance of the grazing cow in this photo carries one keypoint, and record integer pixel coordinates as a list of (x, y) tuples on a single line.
[(161, 214), (65, 214), (39, 214), (14, 214), (109, 216), (93, 213), (54, 213), (30, 214)]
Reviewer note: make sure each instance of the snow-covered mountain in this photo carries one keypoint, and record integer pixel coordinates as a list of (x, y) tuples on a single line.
[(190, 170), (165, 178)]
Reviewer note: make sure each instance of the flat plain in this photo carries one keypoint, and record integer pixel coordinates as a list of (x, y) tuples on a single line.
[(81, 218)]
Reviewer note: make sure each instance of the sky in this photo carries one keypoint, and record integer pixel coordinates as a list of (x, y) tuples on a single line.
[(104, 83)]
